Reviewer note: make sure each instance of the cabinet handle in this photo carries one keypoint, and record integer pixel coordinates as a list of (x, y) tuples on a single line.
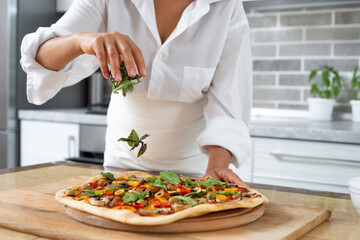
[(282, 178), (71, 146), (284, 156)]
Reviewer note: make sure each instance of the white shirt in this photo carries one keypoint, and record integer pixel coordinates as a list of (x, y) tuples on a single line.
[(199, 83)]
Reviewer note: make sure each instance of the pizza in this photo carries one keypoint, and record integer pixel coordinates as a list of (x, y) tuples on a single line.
[(141, 199)]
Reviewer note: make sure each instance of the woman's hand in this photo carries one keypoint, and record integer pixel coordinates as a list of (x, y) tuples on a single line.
[(111, 48), (225, 175), (218, 167)]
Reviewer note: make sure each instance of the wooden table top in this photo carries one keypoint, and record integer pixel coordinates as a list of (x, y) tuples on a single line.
[(343, 224)]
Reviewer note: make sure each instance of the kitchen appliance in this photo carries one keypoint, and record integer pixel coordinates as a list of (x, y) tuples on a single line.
[(8, 123), (99, 94), (18, 18), (91, 144)]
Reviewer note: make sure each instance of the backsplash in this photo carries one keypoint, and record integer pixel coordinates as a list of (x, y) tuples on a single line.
[(288, 44)]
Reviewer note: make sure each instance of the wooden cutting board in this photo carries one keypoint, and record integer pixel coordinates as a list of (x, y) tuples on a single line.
[(35, 211), (209, 222)]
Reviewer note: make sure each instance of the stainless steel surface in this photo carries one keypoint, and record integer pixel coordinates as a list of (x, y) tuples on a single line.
[(96, 88), (8, 149), (8, 119), (92, 138), (291, 4), (3, 149)]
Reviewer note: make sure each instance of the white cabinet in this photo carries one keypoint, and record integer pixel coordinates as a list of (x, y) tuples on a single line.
[(305, 164), (43, 142)]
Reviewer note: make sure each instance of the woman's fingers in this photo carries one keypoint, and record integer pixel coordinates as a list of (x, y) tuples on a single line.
[(225, 175), (113, 56), (138, 57), (229, 176), (125, 49), (100, 53), (111, 49)]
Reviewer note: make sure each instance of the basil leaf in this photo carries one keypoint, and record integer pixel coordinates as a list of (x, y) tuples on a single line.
[(142, 150), (227, 193), (187, 180), (210, 182), (189, 201), (171, 177), (133, 135), (158, 185), (109, 175), (129, 197), (88, 194), (132, 197), (195, 194)]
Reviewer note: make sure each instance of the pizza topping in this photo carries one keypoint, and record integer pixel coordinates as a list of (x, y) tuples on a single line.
[(70, 192), (102, 182), (164, 194), (109, 175)]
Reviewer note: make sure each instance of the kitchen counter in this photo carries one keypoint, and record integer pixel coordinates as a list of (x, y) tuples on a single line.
[(339, 131), (343, 224)]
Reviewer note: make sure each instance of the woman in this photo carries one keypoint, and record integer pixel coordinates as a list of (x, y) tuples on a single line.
[(195, 96)]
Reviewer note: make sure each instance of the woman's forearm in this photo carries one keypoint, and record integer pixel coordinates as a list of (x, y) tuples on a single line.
[(218, 157), (57, 52)]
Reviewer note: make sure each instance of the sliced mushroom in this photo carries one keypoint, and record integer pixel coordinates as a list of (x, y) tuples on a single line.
[(107, 200), (154, 211), (197, 189), (96, 202)]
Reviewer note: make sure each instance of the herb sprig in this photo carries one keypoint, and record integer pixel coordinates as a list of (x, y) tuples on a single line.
[(134, 141), (127, 83)]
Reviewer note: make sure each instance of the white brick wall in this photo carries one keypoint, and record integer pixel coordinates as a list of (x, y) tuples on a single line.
[(286, 44)]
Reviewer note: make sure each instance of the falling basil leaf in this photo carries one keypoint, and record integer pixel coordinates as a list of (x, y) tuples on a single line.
[(109, 175), (134, 141), (142, 150), (171, 177)]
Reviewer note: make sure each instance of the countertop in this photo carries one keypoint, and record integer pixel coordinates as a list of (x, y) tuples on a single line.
[(343, 224), (339, 131)]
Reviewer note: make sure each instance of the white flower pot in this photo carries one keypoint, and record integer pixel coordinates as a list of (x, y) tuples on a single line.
[(321, 109), (355, 108)]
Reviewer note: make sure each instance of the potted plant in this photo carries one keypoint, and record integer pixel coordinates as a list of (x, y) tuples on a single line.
[(323, 93), (355, 88)]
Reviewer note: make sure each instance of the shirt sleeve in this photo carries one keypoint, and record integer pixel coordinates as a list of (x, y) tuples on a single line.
[(43, 84), (229, 100)]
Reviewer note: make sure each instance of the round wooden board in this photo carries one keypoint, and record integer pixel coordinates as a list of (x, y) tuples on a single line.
[(209, 222)]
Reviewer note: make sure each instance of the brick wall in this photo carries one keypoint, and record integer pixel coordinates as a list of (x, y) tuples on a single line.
[(287, 44)]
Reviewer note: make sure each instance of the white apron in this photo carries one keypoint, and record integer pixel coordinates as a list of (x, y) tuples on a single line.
[(173, 128)]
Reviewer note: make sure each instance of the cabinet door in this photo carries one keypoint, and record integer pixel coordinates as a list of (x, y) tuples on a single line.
[(43, 142), (305, 164)]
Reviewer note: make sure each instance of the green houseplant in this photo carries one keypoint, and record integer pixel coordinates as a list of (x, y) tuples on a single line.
[(323, 92), (355, 88)]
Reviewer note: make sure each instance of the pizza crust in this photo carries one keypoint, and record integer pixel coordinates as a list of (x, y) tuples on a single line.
[(129, 217)]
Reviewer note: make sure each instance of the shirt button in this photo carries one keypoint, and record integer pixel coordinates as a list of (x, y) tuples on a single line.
[(160, 56)]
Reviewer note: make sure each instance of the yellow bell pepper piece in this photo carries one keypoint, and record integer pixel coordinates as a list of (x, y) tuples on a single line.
[(133, 183), (221, 197), (149, 207), (230, 189)]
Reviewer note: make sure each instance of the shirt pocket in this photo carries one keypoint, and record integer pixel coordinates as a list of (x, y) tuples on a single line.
[(196, 82)]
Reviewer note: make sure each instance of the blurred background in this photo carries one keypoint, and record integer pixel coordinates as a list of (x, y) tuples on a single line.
[(289, 40)]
